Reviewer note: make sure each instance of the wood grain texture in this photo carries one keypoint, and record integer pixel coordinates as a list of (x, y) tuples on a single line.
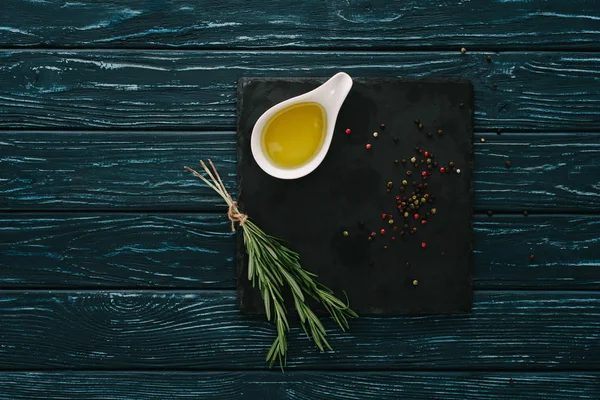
[(144, 171), (117, 250), (196, 251), (104, 330), (314, 24), (190, 90), (298, 385)]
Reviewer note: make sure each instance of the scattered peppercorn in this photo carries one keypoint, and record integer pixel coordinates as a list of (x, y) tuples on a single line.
[(429, 134), (440, 132), (395, 139), (451, 164), (435, 164), (409, 172), (393, 237), (423, 173), (403, 161), (463, 50), (423, 221), (415, 282), (383, 216), (443, 253), (416, 216), (390, 184), (373, 234), (396, 162), (417, 122), (433, 210), (391, 222), (458, 170), (461, 105), (498, 131), (482, 140), (507, 163), (368, 146), (382, 231), (420, 126), (375, 134), (345, 233), (404, 182), (442, 170), (495, 85), (423, 245), (414, 229), (348, 131), (413, 160), (369, 238), (525, 213), (382, 126), (489, 213), (489, 58), (531, 257), (385, 247)]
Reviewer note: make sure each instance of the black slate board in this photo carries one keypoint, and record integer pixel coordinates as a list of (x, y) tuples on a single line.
[(349, 187)]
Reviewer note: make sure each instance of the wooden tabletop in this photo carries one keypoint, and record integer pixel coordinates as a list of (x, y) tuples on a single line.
[(117, 267)]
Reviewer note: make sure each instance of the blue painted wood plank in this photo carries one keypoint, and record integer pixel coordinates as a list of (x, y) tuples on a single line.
[(144, 171), (299, 385), (526, 330), (66, 250), (542, 91), (306, 24)]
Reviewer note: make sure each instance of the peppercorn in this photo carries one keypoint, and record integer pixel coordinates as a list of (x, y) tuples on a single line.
[(429, 134), (507, 163), (409, 172), (440, 132), (495, 85), (482, 140), (435, 164), (458, 170), (489, 213), (463, 50), (443, 253), (498, 131), (531, 257), (393, 237), (489, 58), (348, 131), (434, 210), (414, 229), (345, 233), (369, 238), (415, 282), (413, 159), (404, 182), (383, 216), (396, 162), (368, 146), (525, 213), (382, 126), (417, 122), (373, 234), (391, 222), (375, 134), (423, 245), (420, 126), (361, 224), (403, 161), (442, 170), (395, 228), (390, 184), (388, 191), (405, 226), (461, 105), (451, 164), (395, 139), (423, 221), (406, 215), (385, 247)]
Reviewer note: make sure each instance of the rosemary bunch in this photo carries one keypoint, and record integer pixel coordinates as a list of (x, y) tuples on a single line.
[(271, 267)]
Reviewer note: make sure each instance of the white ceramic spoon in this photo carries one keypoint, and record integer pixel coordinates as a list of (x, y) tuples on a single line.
[(330, 96)]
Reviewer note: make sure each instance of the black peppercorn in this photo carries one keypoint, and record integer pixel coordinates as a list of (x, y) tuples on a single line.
[(451, 164), (525, 213), (531, 257), (440, 132), (489, 58), (489, 213), (361, 224), (498, 131), (396, 162), (395, 139), (461, 105), (382, 126), (417, 122), (495, 85), (429, 134), (435, 164), (403, 161), (420, 126), (507, 163)]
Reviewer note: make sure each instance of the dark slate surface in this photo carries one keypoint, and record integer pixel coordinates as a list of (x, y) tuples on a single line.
[(350, 187)]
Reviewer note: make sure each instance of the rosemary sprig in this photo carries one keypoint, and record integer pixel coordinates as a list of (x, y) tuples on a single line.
[(271, 267)]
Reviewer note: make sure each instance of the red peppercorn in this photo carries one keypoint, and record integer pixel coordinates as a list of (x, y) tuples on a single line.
[(442, 170), (424, 173), (423, 245), (426, 154), (383, 216), (382, 231), (416, 216), (368, 146), (348, 131), (397, 197)]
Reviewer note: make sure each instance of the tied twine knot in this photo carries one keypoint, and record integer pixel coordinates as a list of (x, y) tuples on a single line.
[(215, 183), (235, 215)]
